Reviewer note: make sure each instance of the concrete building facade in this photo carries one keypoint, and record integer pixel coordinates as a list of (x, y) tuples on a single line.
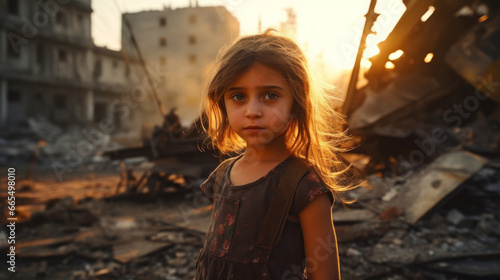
[(179, 45), (49, 66)]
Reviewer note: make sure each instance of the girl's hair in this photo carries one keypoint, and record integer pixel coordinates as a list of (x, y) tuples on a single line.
[(314, 133)]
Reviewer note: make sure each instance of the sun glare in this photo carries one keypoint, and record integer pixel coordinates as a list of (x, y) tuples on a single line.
[(395, 55), (371, 46), (389, 65), (428, 14), (428, 57), (335, 39)]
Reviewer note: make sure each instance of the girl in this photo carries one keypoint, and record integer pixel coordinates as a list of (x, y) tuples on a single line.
[(262, 104)]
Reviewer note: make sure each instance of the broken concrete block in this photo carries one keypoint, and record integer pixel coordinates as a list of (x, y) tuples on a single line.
[(352, 215), (390, 194), (455, 217), (351, 252), (421, 192), (44, 128), (390, 214), (134, 250)]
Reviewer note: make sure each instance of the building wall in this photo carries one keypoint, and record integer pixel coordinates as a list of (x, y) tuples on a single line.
[(111, 69), (179, 45), (114, 81), (43, 59), (53, 74), (48, 101)]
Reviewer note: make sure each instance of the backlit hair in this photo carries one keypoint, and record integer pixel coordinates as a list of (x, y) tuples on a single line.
[(314, 133)]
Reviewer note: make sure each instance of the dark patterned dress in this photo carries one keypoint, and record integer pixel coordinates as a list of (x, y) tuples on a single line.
[(229, 251)]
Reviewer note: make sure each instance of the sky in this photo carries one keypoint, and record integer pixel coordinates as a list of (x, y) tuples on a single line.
[(328, 29)]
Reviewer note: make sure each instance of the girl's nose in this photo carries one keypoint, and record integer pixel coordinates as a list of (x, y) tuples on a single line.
[(253, 110)]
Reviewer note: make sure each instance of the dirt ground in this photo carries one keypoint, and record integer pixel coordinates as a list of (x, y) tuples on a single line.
[(85, 227), (78, 228)]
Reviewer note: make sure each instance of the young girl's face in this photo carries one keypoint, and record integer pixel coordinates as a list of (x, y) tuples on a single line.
[(258, 105)]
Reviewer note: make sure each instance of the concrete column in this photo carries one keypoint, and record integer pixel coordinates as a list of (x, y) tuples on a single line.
[(88, 108), (3, 101)]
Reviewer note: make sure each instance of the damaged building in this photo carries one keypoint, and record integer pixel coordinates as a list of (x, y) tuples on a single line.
[(180, 45), (426, 137), (429, 91), (51, 69)]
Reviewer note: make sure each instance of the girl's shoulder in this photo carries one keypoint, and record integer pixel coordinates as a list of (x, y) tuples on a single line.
[(308, 188), (221, 169), (216, 177)]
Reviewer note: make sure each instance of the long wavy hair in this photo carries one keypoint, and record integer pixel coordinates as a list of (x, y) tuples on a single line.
[(314, 133)]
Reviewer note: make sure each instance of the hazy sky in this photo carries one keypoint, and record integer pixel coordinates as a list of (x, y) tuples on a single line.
[(331, 28)]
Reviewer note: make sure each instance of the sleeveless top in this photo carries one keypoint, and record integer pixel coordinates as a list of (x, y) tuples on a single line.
[(230, 250)]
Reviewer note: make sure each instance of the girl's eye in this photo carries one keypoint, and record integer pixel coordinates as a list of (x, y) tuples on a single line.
[(238, 97), (271, 96)]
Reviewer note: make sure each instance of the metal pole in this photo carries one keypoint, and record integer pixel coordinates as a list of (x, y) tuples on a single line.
[(371, 17)]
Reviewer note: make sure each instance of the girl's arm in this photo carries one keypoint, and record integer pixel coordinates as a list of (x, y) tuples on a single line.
[(320, 242)]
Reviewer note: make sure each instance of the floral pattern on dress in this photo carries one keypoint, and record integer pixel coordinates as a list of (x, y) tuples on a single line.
[(220, 235), (314, 192), (313, 177)]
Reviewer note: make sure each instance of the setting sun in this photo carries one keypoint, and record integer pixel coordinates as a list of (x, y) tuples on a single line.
[(329, 31), (334, 31)]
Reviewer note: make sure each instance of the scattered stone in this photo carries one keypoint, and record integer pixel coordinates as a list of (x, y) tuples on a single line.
[(455, 217)]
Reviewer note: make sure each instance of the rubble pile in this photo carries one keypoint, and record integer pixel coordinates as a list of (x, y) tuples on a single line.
[(44, 142), (94, 240), (427, 138), (457, 239)]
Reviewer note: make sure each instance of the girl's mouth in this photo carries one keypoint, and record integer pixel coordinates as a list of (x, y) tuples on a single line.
[(253, 128)]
